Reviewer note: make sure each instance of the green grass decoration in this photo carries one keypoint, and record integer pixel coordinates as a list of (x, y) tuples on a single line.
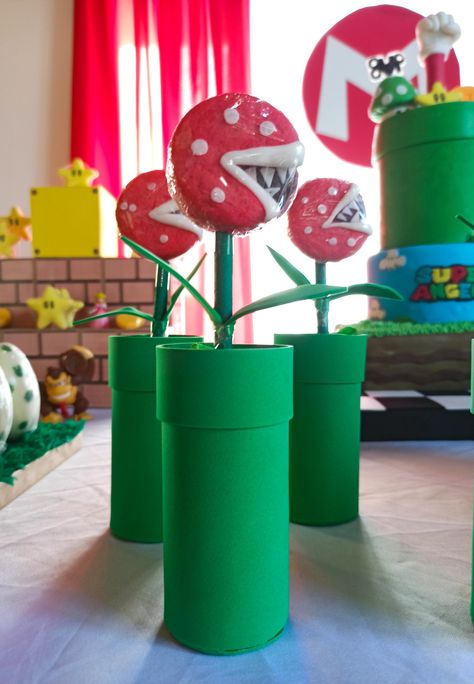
[(405, 328), (224, 325), (32, 445)]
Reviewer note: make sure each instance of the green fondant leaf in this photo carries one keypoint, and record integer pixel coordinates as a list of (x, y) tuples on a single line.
[(214, 315), (371, 290), (22, 425), (177, 293), (296, 294), (129, 310), (28, 395), (12, 387), (6, 347), (291, 271)]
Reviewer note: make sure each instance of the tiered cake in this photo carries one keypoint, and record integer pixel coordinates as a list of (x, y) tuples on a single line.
[(426, 164)]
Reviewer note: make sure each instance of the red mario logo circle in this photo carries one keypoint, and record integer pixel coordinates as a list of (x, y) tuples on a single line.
[(339, 83)]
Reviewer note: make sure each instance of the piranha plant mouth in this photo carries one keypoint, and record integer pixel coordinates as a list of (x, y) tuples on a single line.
[(170, 214), (270, 173), (350, 213)]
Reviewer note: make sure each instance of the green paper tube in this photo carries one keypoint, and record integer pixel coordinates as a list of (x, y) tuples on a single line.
[(136, 494), (325, 430), (225, 420)]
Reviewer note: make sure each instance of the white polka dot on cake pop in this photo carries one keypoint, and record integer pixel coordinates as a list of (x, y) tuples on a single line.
[(401, 89), (351, 242), (217, 195), (332, 191), (386, 99), (267, 127), (151, 186), (123, 206), (332, 241), (164, 238), (322, 208), (231, 116), (304, 200), (199, 147), (308, 230), (132, 207)]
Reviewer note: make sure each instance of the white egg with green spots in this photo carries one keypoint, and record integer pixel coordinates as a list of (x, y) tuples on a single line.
[(6, 411), (24, 389)]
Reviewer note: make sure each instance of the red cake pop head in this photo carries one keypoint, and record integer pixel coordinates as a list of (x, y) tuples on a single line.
[(147, 215), (327, 219), (232, 163)]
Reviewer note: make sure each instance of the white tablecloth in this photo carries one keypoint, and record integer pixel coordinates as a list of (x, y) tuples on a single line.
[(383, 600)]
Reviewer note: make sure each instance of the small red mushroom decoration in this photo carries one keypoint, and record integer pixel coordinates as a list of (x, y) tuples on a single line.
[(327, 220), (147, 215)]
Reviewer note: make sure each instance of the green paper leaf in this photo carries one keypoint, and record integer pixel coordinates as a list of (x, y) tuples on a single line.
[(371, 290), (214, 315), (129, 310), (296, 294), (177, 293), (291, 271)]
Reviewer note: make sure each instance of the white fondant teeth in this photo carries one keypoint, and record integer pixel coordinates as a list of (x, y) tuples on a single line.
[(349, 213), (169, 213), (275, 181), (267, 172)]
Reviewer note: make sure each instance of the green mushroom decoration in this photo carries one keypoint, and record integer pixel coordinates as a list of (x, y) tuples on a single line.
[(394, 95)]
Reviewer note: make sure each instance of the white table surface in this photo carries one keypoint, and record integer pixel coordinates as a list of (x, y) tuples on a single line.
[(383, 600)]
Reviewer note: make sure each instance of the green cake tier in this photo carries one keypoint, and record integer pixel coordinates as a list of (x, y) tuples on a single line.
[(426, 162)]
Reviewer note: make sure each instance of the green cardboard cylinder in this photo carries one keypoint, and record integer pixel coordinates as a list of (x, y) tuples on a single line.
[(225, 420), (136, 492), (424, 157), (325, 430)]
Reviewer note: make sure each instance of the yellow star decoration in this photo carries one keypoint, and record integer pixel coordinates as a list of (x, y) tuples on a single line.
[(438, 95), (55, 306), (12, 230), (77, 174)]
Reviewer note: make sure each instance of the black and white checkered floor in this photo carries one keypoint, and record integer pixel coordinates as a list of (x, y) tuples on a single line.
[(411, 415)]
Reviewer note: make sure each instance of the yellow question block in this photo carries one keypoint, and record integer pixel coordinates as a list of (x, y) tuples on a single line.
[(73, 222)]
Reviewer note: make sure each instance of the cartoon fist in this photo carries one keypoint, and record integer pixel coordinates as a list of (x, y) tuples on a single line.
[(232, 163), (147, 215), (327, 219), (436, 34)]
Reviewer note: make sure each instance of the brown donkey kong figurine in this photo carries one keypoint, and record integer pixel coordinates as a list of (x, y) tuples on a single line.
[(60, 391)]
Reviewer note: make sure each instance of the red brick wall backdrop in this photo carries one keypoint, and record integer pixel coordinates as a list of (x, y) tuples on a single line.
[(124, 281)]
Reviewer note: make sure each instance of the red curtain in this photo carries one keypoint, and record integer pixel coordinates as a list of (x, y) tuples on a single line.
[(95, 112), (185, 32)]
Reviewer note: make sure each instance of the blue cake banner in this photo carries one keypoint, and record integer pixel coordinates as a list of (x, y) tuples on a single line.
[(436, 281)]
